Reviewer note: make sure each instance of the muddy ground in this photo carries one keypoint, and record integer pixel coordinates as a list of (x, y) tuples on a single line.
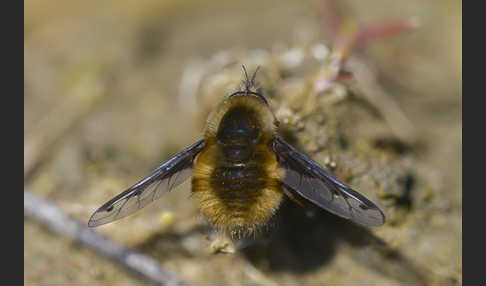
[(113, 89)]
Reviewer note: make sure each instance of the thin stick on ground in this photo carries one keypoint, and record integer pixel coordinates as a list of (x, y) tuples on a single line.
[(54, 219)]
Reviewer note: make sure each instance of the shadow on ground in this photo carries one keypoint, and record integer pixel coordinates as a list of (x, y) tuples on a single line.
[(302, 240)]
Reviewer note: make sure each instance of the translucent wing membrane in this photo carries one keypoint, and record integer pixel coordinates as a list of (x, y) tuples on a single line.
[(310, 180), (158, 183)]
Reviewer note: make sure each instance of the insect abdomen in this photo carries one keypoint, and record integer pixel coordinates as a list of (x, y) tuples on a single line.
[(238, 186), (236, 196)]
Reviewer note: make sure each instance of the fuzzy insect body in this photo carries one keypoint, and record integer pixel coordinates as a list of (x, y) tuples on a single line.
[(235, 176)]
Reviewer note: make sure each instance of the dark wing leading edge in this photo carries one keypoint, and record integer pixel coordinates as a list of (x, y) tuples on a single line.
[(158, 183), (310, 180)]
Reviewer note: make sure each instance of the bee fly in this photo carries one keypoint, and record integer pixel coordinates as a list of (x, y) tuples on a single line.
[(241, 171)]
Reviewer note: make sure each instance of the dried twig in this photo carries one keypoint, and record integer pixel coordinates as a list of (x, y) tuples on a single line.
[(53, 218)]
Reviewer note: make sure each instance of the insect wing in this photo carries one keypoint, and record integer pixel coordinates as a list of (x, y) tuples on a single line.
[(155, 185), (310, 180)]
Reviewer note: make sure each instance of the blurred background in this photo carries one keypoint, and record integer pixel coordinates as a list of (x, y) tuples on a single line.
[(114, 88)]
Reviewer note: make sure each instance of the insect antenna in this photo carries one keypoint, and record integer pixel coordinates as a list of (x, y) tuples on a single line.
[(247, 81), (252, 82), (247, 85)]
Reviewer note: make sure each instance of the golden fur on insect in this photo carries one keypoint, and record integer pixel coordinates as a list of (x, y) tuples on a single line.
[(231, 209)]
